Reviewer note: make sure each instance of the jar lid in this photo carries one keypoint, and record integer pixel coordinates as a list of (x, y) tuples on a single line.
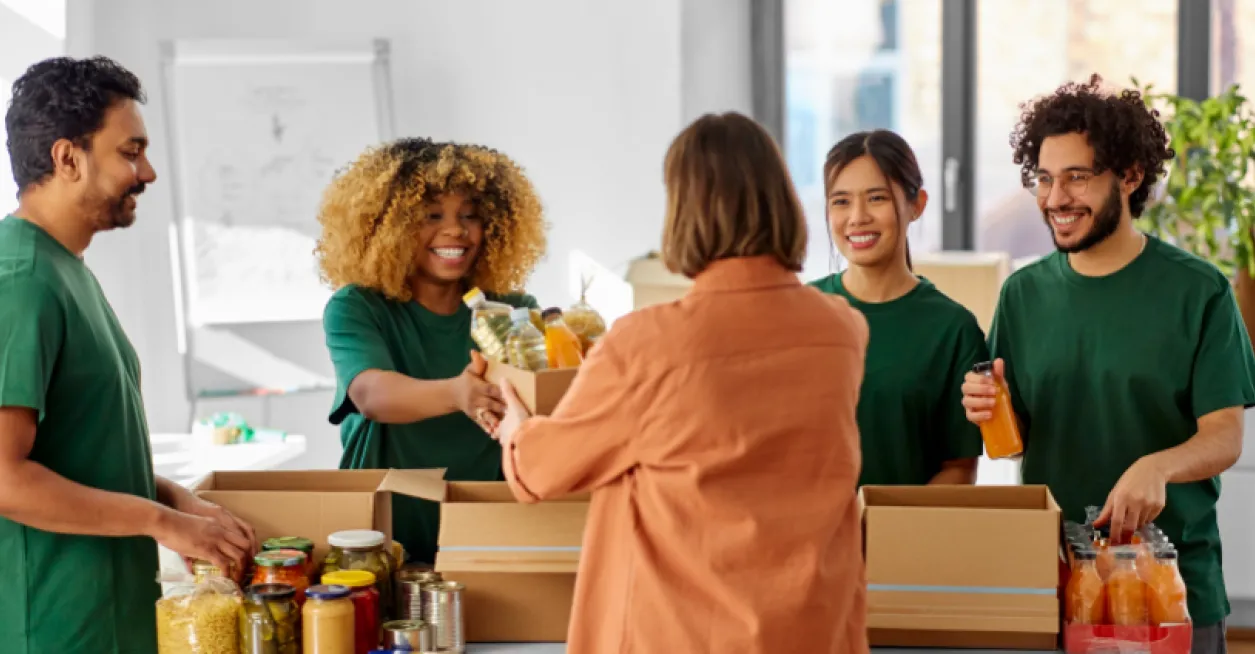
[(349, 578), (270, 591), (279, 558), (327, 592), (288, 543), (356, 538)]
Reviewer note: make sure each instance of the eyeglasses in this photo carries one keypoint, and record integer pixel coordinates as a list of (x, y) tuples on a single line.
[(1075, 183)]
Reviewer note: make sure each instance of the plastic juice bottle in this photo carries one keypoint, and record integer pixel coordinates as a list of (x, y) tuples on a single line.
[(1001, 433), (563, 346), (1086, 593), (1126, 592), (490, 324), (1166, 590), (525, 346)]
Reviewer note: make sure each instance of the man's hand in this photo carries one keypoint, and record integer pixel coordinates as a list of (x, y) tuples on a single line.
[(195, 537), (979, 392), (515, 415), (477, 398), (1138, 498)]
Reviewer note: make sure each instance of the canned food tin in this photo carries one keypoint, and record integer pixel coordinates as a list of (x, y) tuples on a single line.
[(442, 609), (409, 601), (414, 635)]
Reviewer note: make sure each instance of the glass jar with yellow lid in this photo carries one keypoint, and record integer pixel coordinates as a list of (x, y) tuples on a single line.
[(365, 598)]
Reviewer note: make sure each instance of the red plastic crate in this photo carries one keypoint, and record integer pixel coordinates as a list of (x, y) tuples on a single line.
[(1105, 639)]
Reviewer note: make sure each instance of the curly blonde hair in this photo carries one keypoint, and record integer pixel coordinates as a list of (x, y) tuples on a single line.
[(371, 213)]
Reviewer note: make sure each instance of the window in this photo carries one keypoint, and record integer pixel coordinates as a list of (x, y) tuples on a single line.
[(1069, 40), (854, 65), (1233, 45)]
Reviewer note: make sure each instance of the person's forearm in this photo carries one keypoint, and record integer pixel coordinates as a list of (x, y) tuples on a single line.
[(957, 472), (393, 398), (1211, 451), (168, 492), (35, 496)]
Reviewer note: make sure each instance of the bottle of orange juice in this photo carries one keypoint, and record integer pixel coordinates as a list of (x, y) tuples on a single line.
[(564, 347), (1126, 592), (1001, 433), (1086, 593), (1166, 590)]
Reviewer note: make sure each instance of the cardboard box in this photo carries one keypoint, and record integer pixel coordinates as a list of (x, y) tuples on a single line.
[(1101, 639), (518, 561), (962, 566), (973, 279), (539, 391), (652, 283), (316, 503)]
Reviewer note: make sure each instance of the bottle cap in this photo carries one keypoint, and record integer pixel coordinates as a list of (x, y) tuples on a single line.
[(1125, 554), (1166, 554), (473, 296), (551, 312), (349, 578), (327, 592), (269, 592), (984, 367), (1085, 555), (356, 538), (521, 314)]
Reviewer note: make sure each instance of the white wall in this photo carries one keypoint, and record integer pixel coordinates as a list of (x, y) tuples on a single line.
[(585, 95)]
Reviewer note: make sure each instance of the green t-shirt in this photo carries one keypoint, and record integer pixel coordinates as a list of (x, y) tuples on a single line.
[(1105, 370), (367, 331), (63, 354), (910, 418)]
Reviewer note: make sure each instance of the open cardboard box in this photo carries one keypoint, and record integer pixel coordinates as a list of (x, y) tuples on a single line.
[(518, 561), (539, 391), (962, 566)]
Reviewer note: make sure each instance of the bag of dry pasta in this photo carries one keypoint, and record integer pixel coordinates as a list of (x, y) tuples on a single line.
[(201, 618)]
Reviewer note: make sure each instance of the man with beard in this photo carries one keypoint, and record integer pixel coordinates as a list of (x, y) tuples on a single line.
[(1127, 362), (80, 507)]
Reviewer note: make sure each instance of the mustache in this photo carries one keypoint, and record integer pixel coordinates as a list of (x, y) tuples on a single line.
[(136, 190)]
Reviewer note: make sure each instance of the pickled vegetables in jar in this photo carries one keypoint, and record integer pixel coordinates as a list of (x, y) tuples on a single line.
[(269, 622)]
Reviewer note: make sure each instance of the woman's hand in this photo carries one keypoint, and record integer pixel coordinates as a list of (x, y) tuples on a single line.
[(477, 398), (515, 415)]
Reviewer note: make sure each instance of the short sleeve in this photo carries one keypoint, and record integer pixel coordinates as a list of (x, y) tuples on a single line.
[(962, 438), (1224, 367), (355, 343), (1001, 335), (31, 331)]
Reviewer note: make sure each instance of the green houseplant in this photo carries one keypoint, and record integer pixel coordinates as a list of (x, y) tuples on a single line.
[(1207, 202)]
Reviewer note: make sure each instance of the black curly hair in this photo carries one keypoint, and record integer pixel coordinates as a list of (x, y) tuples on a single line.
[(1125, 133), (61, 98)]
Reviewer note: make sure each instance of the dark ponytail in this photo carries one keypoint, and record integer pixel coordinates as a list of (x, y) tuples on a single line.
[(894, 158)]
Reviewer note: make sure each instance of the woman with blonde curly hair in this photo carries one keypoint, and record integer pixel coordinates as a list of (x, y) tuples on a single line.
[(408, 228)]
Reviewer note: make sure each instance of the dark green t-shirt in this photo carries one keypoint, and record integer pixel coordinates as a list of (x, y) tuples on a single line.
[(367, 331), (1105, 370), (910, 418), (63, 354)]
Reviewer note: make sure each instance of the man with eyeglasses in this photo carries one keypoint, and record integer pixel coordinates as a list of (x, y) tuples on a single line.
[(1127, 361)]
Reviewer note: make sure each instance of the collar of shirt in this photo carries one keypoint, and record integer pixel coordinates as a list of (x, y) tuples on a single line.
[(744, 273)]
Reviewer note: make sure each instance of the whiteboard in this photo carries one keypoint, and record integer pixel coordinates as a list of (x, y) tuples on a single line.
[(257, 131)]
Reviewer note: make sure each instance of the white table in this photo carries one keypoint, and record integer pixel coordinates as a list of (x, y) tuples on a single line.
[(175, 458)]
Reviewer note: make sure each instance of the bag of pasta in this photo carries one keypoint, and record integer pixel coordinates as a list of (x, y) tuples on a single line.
[(201, 618)]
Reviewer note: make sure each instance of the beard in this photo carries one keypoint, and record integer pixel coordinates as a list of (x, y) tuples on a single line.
[(114, 213), (1106, 222)]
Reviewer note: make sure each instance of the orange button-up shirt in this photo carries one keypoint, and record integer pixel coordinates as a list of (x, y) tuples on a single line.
[(717, 436)]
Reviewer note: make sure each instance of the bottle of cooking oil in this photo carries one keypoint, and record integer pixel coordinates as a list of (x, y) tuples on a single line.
[(490, 324), (525, 346)]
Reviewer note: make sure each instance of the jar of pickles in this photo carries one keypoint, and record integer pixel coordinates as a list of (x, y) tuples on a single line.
[(327, 624), (302, 545), (282, 567), (363, 550), (268, 624), (365, 598)]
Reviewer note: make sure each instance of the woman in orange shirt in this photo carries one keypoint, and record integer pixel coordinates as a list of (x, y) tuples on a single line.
[(716, 433)]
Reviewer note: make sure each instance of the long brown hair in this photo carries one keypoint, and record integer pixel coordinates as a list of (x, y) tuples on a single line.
[(893, 156), (729, 194)]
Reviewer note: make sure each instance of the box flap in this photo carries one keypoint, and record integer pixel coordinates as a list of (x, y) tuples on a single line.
[(973, 497), (323, 481), (423, 484), (501, 560)]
